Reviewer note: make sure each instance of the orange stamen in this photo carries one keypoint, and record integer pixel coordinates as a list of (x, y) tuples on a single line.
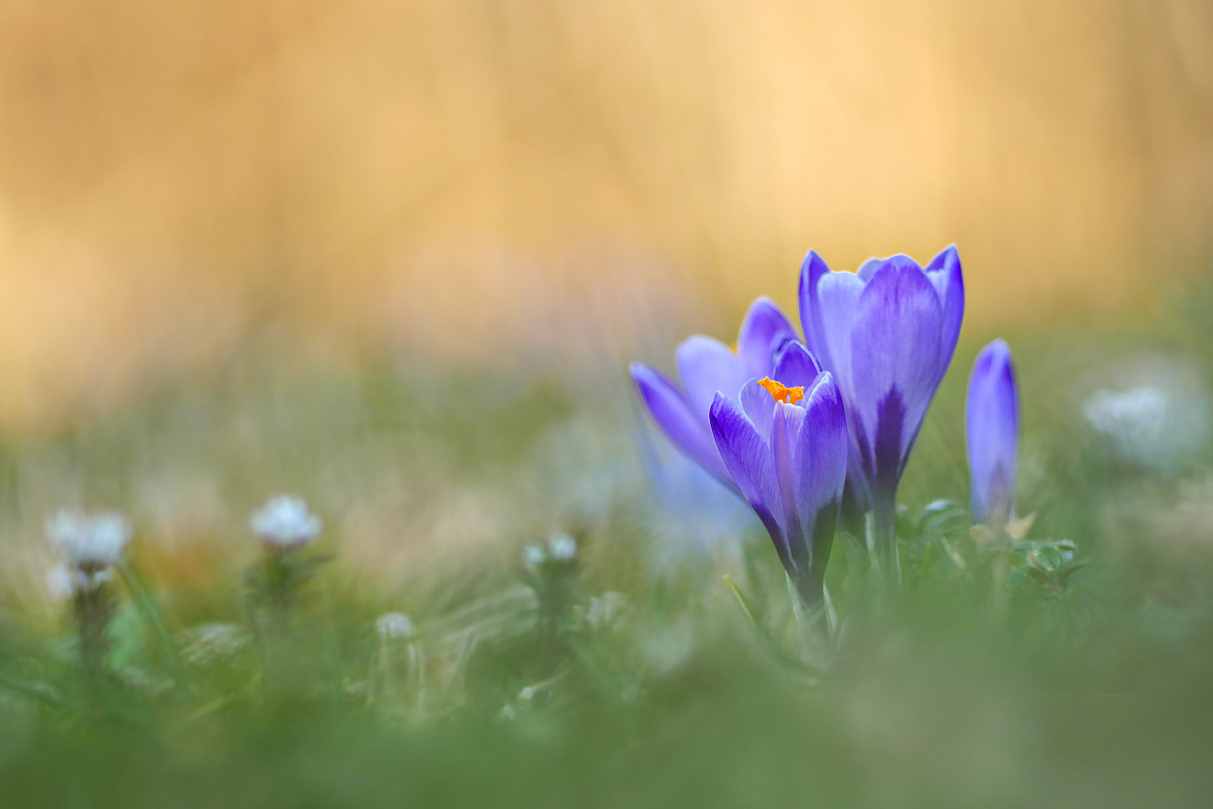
[(781, 392)]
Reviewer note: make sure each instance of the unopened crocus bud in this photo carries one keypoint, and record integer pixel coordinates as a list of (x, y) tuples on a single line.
[(285, 522), (992, 434)]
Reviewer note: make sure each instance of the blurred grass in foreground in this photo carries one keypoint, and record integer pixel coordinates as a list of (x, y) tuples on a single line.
[(658, 696)]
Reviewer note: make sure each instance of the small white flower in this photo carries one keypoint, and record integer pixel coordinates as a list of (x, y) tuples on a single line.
[(1134, 420), (563, 547), (527, 694), (286, 522), (533, 556), (61, 582), (394, 625), (89, 540)]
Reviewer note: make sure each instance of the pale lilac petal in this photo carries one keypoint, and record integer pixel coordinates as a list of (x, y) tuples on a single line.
[(673, 414), (839, 295), (747, 457), (796, 367), (706, 367), (992, 432), (895, 346), (759, 407), (764, 329), (869, 267), (811, 319), (948, 279)]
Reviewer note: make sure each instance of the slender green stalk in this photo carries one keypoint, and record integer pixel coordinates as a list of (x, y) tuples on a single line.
[(93, 607), (880, 526)]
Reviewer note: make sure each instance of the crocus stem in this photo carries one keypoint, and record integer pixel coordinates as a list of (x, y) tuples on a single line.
[(881, 530), (809, 607), (1002, 564), (811, 589)]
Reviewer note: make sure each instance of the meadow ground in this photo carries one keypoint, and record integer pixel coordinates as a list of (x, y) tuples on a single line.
[(630, 677)]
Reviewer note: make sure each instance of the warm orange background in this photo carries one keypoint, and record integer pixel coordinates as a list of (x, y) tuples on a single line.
[(439, 173)]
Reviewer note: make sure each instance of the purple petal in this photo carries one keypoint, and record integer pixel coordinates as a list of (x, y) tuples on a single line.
[(748, 458), (992, 432), (796, 367), (785, 434), (707, 367), (869, 267), (895, 347), (764, 329), (822, 450), (948, 279), (673, 414), (811, 272), (838, 294), (759, 407)]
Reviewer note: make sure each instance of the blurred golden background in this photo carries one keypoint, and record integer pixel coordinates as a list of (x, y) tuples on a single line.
[(467, 179)]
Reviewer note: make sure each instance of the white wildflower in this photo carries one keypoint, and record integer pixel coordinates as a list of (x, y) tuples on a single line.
[(62, 582), (533, 556), (562, 547), (527, 694), (89, 542), (1152, 409), (394, 625), (1134, 419), (286, 522)]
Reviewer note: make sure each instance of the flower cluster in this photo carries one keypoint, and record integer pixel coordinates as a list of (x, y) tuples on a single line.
[(807, 426)]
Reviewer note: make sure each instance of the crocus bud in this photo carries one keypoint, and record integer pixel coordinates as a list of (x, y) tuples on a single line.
[(285, 522), (992, 434)]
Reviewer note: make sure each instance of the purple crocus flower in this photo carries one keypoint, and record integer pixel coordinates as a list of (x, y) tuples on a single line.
[(992, 434), (784, 442), (708, 367), (887, 334)]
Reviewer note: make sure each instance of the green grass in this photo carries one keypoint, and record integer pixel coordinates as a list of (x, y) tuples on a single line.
[(430, 481)]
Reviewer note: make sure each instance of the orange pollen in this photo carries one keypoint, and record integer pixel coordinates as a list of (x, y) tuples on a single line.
[(781, 392)]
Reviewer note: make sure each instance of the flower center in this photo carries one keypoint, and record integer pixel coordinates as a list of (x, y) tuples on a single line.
[(781, 392)]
